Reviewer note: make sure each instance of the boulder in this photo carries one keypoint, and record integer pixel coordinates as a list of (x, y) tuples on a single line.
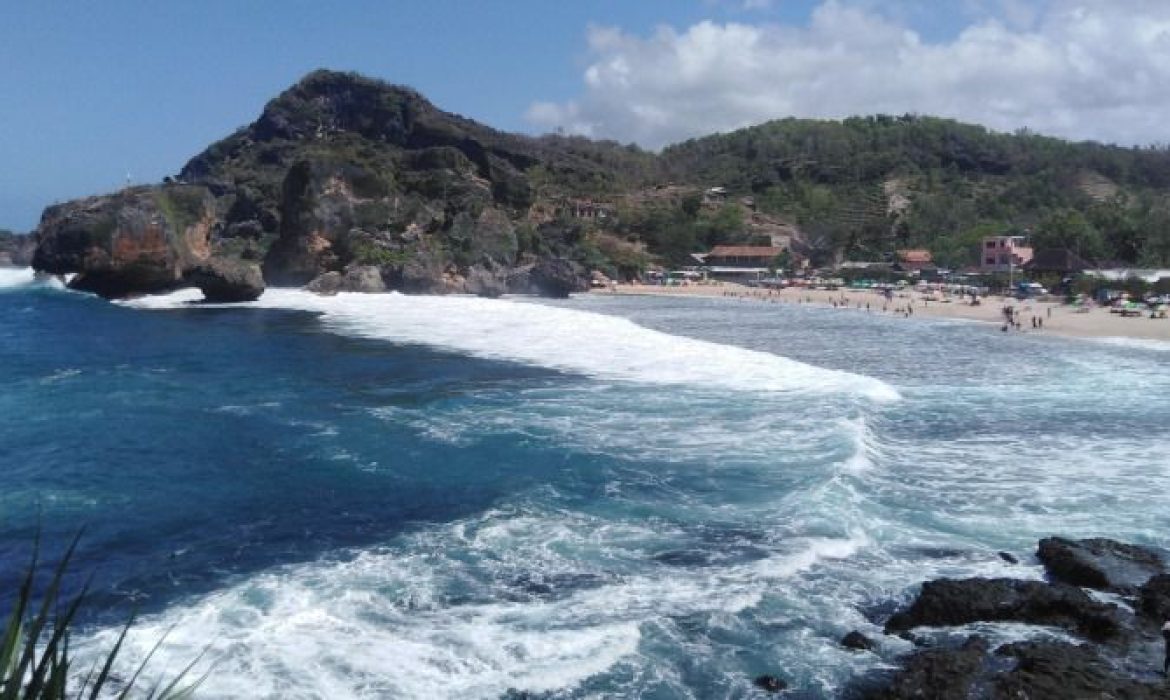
[(365, 279), (227, 281), (326, 284), (858, 641), (1101, 564), (549, 277), (946, 602), (485, 283)]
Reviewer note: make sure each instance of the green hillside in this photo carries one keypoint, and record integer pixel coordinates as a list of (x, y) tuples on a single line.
[(863, 187)]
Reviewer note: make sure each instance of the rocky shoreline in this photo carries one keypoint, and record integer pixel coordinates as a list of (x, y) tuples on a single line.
[(1096, 616)]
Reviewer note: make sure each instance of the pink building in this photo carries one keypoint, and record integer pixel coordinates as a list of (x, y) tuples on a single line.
[(1004, 253)]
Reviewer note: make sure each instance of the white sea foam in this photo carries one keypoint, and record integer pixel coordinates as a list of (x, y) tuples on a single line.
[(173, 300), (592, 344), (1136, 343), (11, 277), (384, 625), (691, 426)]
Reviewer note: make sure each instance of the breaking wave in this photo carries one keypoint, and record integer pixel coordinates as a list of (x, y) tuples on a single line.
[(592, 344)]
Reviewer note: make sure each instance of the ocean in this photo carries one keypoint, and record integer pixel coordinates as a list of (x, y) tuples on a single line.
[(656, 497)]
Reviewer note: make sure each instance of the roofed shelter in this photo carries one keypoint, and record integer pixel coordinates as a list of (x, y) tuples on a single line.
[(741, 262)]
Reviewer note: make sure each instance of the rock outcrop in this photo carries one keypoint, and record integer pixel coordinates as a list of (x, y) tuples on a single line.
[(1121, 657), (858, 642), (356, 278), (227, 281), (341, 170), (947, 602), (1101, 564), (935, 673), (139, 240)]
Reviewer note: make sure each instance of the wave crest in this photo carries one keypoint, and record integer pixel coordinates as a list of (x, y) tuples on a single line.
[(596, 345)]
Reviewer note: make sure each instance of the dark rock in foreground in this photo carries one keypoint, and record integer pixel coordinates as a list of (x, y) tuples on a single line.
[(947, 602), (1025, 670), (226, 281), (936, 673), (772, 684), (1101, 564), (857, 640), (1123, 658), (1154, 598), (1060, 670)]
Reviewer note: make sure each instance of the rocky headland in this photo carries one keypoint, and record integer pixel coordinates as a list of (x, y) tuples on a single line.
[(344, 184), (1102, 603)]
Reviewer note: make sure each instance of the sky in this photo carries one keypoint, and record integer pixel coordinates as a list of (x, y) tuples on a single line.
[(93, 94)]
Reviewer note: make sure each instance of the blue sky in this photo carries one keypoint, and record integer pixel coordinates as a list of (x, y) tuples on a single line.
[(92, 91)]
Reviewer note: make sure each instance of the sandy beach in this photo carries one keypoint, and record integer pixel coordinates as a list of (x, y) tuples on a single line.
[(1057, 318)]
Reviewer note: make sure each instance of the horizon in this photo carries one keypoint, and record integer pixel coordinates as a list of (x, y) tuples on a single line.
[(85, 118)]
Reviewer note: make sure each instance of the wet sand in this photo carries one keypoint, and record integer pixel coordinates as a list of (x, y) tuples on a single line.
[(1058, 319)]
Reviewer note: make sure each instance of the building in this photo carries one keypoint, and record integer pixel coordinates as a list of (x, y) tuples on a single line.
[(744, 255), (914, 260), (584, 209), (1004, 253), (741, 262)]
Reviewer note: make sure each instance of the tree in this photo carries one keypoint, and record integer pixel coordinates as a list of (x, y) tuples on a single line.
[(1068, 228)]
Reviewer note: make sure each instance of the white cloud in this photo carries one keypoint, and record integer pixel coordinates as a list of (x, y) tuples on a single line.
[(1093, 69)]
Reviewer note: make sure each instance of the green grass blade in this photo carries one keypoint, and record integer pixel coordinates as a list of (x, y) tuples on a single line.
[(109, 663)]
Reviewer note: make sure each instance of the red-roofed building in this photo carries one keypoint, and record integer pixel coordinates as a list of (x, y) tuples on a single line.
[(915, 259)]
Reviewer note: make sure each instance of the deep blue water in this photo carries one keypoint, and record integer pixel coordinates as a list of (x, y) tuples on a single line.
[(417, 497)]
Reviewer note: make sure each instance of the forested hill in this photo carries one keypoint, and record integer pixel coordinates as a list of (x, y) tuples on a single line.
[(865, 186)]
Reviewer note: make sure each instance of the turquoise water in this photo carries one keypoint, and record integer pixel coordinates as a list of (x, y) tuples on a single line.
[(387, 496)]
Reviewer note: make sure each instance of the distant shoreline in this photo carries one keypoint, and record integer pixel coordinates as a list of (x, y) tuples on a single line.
[(1058, 319)]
